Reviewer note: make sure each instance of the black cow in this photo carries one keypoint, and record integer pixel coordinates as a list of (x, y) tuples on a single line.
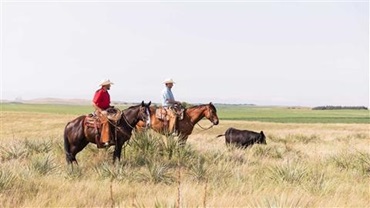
[(243, 138)]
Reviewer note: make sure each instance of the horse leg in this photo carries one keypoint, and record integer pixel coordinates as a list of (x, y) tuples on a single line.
[(118, 150), (67, 148), (76, 149)]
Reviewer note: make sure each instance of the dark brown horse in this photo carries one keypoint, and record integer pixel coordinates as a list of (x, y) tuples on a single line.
[(185, 126), (77, 135)]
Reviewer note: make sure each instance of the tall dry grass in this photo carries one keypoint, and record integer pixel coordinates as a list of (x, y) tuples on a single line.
[(302, 165)]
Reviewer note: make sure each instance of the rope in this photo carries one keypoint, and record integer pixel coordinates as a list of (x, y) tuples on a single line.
[(205, 128)]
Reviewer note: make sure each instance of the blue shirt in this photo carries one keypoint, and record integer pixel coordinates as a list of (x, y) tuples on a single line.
[(167, 96)]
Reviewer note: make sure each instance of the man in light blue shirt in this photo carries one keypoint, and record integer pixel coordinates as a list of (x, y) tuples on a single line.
[(168, 101)]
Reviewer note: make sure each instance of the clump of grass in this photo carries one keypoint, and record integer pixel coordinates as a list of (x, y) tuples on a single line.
[(157, 172), (12, 152), (6, 179), (184, 155), (291, 173), (43, 165), (119, 172), (74, 174), (142, 147), (105, 170), (346, 161), (288, 202), (270, 151), (199, 169), (38, 146), (168, 147), (317, 182), (159, 204), (277, 139), (147, 146), (301, 138), (359, 136)]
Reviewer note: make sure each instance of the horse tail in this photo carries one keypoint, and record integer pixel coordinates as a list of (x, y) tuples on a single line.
[(220, 135), (67, 147)]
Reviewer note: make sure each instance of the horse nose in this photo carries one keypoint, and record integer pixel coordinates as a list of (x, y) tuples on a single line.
[(215, 122)]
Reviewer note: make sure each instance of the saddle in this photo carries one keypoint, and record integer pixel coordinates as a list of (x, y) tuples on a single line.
[(101, 124), (163, 114), (93, 121)]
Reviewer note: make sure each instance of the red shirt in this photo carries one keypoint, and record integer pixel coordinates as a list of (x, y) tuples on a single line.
[(102, 98)]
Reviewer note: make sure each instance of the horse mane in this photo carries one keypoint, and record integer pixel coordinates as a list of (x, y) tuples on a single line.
[(202, 105)]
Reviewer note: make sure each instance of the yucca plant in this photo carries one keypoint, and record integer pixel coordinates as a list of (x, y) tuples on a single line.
[(291, 172), (168, 147), (286, 202), (146, 142), (317, 182), (106, 170), (357, 161), (271, 151), (119, 172), (159, 204), (38, 146), (6, 179), (74, 174), (199, 169), (157, 172), (12, 152), (43, 165)]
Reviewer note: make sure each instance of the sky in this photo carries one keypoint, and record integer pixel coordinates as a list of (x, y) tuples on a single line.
[(293, 53)]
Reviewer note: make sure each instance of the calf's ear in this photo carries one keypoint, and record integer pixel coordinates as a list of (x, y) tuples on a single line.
[(262, 133)]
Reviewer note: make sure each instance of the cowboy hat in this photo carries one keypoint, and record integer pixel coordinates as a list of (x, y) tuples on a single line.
[(169, 80), (105, 82)]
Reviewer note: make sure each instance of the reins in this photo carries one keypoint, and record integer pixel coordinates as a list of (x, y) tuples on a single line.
[(205, 128)]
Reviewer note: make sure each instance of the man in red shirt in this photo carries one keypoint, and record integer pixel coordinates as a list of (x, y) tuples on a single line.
[(101, 102)]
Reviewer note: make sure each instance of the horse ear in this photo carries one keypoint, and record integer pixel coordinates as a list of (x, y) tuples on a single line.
[(150, 102), (142, 103)]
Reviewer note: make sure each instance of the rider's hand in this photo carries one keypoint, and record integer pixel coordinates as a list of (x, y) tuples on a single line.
[(105, 113)]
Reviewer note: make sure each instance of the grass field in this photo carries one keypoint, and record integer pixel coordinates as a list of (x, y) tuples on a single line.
[(306, 163), (228, 112)]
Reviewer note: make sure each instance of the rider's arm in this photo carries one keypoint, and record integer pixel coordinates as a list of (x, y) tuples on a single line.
[(96, 107), (167, 99), (96, 100)]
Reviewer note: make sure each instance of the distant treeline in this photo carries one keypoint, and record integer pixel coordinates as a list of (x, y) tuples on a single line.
[(329, 107)]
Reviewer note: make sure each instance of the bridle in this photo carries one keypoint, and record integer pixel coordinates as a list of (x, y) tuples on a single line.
[(203, 129), (125, 119)]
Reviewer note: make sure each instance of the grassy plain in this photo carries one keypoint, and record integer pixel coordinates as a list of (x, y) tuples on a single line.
[(304, 164), (227, 112)]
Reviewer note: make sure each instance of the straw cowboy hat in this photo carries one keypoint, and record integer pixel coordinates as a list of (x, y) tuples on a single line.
[(169, 80), (105, 82)]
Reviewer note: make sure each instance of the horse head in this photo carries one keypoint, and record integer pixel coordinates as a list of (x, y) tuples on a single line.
[(134, 114), (144, 112), (211, 113)]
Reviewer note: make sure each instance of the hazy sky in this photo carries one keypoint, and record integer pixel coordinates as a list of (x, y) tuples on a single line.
[(265, 53)]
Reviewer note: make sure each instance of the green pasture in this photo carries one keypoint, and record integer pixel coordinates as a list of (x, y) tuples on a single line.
[(225, 112), (291, 115)]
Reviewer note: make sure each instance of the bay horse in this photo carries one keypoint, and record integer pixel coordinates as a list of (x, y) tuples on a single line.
[(77, 135), (185, 126)]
